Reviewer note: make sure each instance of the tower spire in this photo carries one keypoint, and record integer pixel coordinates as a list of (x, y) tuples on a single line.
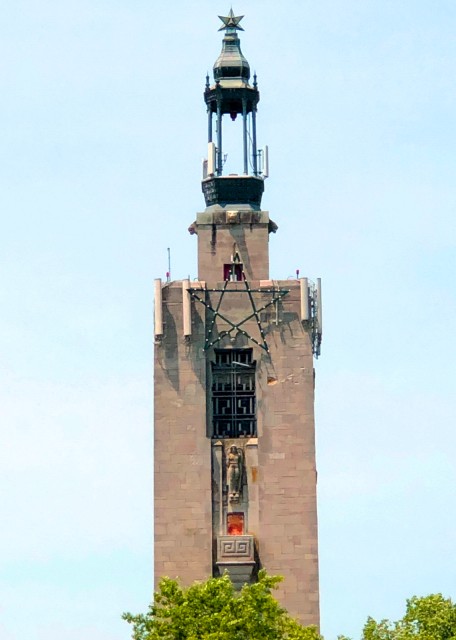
[(232, 94)]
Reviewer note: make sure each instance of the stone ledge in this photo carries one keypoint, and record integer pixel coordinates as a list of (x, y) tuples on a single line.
[(236, 555)]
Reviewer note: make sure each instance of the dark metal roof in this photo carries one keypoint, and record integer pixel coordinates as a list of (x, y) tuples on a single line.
[(231, 64)]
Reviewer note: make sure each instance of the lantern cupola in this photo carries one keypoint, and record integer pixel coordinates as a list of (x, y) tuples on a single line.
[(231, 94)]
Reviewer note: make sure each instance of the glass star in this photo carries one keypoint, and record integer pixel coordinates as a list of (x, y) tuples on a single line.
[(231, 21)]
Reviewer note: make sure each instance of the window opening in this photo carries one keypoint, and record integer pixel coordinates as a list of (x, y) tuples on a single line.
[(233, 394), (233, 271)]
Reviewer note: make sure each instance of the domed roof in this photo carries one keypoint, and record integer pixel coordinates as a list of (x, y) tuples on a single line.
[(231, 64)]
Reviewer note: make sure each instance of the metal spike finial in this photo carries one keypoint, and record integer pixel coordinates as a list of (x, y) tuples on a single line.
[(231, 22)]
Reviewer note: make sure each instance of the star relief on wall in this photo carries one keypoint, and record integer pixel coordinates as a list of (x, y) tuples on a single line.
[(231, 21)]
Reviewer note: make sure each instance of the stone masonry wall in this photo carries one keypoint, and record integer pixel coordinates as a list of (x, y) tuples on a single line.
[(215, 248), (182, 470), (288, 540)]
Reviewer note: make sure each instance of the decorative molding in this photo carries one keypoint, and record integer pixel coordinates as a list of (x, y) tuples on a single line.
[(237, 549)]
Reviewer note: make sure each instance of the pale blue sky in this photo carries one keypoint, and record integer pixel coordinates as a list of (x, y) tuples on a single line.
[(103, 130)]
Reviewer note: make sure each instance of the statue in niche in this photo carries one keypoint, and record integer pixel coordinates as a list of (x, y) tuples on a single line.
[(234, 471)]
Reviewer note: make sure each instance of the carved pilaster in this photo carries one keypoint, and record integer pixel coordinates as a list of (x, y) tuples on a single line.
[(217, 487), (251, 465)]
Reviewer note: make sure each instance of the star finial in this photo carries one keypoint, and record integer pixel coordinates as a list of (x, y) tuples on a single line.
[(231, 21)]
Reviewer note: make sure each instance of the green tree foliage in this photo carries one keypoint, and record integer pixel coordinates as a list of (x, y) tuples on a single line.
[(430, 618), (213, 610)]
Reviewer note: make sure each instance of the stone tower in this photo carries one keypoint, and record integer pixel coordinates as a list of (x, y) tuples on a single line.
[(235, 474)]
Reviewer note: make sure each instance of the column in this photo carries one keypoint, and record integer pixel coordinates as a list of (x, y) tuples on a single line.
[(219, 137), (244, 134)]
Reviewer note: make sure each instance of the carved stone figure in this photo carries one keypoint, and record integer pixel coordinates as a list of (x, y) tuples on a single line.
[(234, 469)]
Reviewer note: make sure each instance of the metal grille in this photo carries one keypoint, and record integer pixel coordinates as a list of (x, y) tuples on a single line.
[(233, 394)]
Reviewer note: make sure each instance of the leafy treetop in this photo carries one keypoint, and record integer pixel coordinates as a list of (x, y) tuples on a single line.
[(213, 610), (431, 617)]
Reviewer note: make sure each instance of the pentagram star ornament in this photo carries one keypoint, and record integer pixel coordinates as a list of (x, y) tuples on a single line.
[(231, 21), (237, 326)]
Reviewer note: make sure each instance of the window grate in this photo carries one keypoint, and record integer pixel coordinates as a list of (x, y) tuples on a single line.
[(233, 394)]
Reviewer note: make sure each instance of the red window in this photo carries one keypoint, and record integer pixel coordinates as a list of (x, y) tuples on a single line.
[(233, 271), (235, 524)]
